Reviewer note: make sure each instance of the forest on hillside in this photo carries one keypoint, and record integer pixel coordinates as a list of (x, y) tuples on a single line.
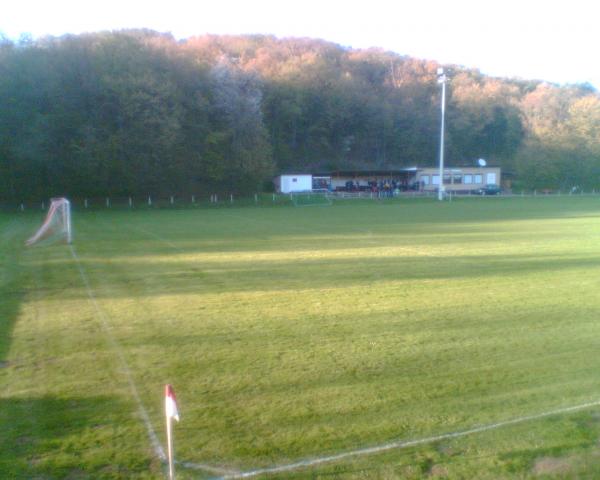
[(138, 112)]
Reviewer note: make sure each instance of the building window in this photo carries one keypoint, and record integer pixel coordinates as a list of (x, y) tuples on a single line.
[(425, 179), (457, 178), (435, 179), (468, 179), (447, 179), (478, 179)]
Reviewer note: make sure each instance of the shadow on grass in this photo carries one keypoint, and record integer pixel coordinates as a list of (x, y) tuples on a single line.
[(50, 437), (10, 301), (12, 289), (150, 232), (148, 278)]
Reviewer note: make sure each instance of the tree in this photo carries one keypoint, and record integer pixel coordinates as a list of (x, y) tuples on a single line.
[(236, 102), (137, 112)]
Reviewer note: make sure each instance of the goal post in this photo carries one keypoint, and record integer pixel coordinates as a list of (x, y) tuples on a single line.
[(57, 223)]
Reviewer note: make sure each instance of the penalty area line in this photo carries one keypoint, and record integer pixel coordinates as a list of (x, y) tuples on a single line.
[(406, 443)]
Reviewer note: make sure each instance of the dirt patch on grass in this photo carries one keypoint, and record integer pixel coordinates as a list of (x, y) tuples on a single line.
[(551, 466), (438, 471)]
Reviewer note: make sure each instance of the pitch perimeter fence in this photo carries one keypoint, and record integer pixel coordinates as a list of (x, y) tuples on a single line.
[(256, 200), (199, 201)]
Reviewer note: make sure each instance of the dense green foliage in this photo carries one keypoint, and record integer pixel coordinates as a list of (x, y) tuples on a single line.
[(137, 112), (292, 333)]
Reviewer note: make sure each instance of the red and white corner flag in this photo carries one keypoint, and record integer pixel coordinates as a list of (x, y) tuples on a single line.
[(171, 403), (170, 412)]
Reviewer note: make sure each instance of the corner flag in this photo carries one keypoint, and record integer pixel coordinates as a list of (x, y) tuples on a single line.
[(171, 403)]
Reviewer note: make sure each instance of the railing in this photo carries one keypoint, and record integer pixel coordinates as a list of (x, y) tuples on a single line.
[(258, 199)]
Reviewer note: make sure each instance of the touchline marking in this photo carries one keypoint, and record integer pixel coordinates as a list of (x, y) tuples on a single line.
[(395, 445), (405, 443), (156, 445), (158, 449)]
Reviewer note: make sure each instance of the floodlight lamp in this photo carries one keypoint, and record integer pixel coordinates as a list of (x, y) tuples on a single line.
[(440, 71)]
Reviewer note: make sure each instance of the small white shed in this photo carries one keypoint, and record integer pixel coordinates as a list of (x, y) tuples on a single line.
[(293, 183)]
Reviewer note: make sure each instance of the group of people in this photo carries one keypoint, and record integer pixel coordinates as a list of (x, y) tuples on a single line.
[(386, 188)]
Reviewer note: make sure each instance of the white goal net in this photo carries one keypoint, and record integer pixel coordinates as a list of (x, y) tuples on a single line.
[(310, 199), (57, 224)]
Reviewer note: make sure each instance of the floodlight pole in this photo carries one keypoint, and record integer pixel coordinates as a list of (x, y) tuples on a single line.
[(442, 79)]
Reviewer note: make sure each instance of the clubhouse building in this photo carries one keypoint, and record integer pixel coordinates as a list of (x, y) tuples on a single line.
[(459, 180)]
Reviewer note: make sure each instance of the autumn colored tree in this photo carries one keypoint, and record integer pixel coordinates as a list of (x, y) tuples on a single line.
[(137, 112)]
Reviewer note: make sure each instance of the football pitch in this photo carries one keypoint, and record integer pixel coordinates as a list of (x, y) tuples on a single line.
[(398, 339)]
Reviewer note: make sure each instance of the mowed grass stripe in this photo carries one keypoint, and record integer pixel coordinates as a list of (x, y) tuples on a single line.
[(350, 310), (279, 358)]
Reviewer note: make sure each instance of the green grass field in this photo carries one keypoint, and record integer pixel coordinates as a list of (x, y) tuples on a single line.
[(301, 333)]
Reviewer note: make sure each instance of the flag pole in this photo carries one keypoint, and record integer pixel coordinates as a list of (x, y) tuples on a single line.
[(170, 449), (170, 413)]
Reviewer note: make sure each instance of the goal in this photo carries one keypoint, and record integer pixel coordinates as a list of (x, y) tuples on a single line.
[(57, 224), (310, 199)]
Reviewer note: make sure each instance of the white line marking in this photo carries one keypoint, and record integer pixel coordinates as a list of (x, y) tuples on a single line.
[(406, 443), (398, 444), (163, 240), (158, 449), (200, 466), (156, 445)]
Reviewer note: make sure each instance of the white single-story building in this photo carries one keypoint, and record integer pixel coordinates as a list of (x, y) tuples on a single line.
[(292, 183)]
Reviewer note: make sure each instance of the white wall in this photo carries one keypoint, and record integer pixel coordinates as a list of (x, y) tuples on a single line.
[(295, 183)]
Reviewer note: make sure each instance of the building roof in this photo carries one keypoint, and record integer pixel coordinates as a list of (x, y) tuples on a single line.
[(368, 172)]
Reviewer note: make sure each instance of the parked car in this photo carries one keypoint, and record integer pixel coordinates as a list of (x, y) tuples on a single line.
[(489, 189)]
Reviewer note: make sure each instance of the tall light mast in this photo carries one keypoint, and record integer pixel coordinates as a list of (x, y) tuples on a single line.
[(442, 79)]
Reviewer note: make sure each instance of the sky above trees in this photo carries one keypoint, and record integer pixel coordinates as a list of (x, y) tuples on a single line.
[(534, 39)]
